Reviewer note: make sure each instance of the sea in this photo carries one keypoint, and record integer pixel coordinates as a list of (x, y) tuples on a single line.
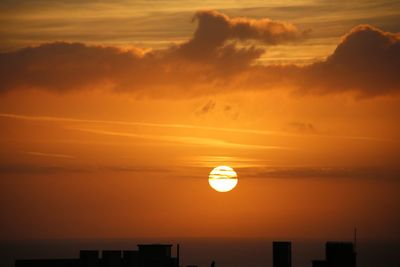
[(226, 252)]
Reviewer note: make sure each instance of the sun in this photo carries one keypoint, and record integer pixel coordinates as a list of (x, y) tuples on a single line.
[(223, 179)]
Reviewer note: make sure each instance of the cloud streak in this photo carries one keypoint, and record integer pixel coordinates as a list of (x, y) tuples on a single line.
[(40, 169), (183, 140), (187, 126), (276, 172), (51, 155)]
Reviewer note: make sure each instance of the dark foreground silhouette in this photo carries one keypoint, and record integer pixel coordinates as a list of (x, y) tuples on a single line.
[(338, 254)]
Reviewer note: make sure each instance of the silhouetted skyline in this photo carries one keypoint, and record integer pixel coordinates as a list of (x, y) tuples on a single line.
[(338, 254)]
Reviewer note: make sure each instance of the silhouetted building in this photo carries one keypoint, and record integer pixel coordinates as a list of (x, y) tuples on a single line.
[(282, 254), (130, 258), (47, 263), (337, 254), (111, 258), (89, 258), (156, 255), (319, 263), (340, 254), (153, 255)]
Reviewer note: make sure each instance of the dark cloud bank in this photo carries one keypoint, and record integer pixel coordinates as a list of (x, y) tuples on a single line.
[(220, 56)]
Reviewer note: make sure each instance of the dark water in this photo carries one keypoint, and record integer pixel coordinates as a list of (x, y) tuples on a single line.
[(228, 252)]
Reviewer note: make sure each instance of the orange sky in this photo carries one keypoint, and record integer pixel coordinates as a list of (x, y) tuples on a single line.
[(112, 116)]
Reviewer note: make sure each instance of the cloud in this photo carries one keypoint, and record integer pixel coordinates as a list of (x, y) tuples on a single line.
[(209, 59), (65, 66), (366, 61), (207, 108), (209, 41), (211, 107), (301, 127), (221, 56)]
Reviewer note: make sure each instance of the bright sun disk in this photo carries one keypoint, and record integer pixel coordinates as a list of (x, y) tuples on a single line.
[(223, 179)]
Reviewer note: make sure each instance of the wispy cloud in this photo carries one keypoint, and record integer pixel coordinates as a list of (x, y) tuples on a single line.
[(185, 140), (233, 161), (189, 126), (51, 155), (46, 168), (296, 172)]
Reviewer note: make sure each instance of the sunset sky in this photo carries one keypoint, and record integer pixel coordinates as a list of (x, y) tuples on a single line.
[(113, 113)]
